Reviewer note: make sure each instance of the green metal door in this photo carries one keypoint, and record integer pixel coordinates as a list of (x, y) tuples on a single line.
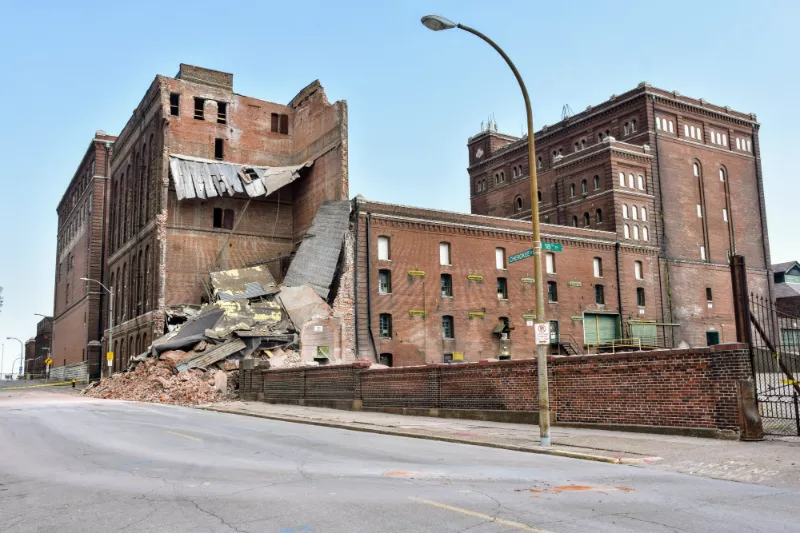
[(600, 328), (644, 331)]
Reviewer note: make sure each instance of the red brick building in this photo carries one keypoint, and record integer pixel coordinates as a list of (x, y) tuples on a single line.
[(182, 204), (82, 216), (659, 171)]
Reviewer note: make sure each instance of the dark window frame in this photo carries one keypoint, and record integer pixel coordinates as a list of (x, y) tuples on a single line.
[(222, 112), (640, 297), (446, 285), (552, 292), (448, 327), (502, 288), (599, 294), (384, 281), (385, 326), (219, 149), (199, 108), (175, 104)]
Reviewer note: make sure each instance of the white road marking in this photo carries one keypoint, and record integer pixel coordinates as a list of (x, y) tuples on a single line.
[(185, 436)]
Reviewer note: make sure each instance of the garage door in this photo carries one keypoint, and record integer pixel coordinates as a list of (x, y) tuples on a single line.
[(600, 328)]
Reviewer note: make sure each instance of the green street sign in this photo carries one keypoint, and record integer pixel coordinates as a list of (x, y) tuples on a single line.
[(547, 246), (520, 256)]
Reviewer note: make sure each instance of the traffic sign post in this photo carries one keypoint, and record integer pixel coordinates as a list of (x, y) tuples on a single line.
[(110, 358), (543, 333)]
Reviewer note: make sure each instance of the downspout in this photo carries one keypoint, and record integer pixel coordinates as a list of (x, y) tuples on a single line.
[(103, 250), (619, 288), (369, 294), (663, 235), (355, 273)]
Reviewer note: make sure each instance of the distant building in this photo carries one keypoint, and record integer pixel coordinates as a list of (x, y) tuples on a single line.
[(44, 337), (30, 356), (787, 287), (82, 215)]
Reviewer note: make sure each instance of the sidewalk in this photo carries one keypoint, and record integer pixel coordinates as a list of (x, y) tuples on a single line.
[(774, 462)]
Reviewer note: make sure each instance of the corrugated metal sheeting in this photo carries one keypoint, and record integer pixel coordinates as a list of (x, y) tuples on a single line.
[(203, 178)]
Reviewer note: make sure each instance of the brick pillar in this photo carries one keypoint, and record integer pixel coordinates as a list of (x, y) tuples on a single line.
[(94, 351)]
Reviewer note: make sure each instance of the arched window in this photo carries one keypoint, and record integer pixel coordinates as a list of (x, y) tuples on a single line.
[(600, 137), (583, 144), (633, 125), (640, 182), (624, 210), (539, 162), (636, 233), (721, 174), (577, 147), (596, 182), (658, 123), (584, 187), (626, 231), (586, 220), (539, 195), (625, 129), (598, 215), (496, 178), (572, 190), (671, 128), (147, 278), (574, 221), (634, 212), (518, 203), (696, 169), (503, 176), (484, 185), (630, 181), (724, 140), (621, 179), (547, 218), (645, 235), (644, 214)]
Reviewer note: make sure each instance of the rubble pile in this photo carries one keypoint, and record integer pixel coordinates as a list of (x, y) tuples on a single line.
[(197, 360)]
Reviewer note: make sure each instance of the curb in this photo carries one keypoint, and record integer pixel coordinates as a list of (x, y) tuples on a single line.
[(541, 451)]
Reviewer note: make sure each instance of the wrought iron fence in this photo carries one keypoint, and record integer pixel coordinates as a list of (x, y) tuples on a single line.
[(776, 366)]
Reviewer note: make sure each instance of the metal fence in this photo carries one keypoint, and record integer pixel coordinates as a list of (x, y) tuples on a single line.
[(776, 366)]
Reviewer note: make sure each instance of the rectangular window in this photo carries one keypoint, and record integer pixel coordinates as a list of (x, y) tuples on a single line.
[(738, 143), (640, 296), (275, 122), (699, 211), (383, 248), (637, 269), (199, 105), (502, 289), (703, 253), (448, 331), (444, 253), (175, 104), (598, 267), (222, 113), (217, 217), (599, 295), (500, 258), (685, 130), (227, 219), (385, 281), (709, 296), (285, 124), (447, 286), (552, 291), (724, 214), (219, 151), (550, 262), (385, 326)]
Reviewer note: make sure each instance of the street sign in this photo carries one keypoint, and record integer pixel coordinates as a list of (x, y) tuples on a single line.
[(48, 361), (520, 256), (110, 356), (546, 246), (543, 333)]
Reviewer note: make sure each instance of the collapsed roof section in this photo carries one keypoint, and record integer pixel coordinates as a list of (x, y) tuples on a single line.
[(243, 283), (317, 258), (195, 177)]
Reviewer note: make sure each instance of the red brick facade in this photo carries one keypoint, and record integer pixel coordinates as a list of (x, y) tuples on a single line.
[(693, 388), (82, 217), (692, 167)]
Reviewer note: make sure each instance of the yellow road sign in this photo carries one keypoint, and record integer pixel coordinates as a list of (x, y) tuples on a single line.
[(48, 361), (109, 356)]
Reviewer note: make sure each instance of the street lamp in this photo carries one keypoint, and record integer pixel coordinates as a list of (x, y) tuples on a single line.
[(110, 346), (21, 354), (437, 23)]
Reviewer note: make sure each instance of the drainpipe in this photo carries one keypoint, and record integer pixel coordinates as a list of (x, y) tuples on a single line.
[(103, 255), (369, 294), (619, 288), (355, 272)]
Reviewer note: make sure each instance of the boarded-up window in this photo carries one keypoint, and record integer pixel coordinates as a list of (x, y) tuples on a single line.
[(383, 248), (500, 258), (444, 253), (550, 262), (284, 123), (598, 267)]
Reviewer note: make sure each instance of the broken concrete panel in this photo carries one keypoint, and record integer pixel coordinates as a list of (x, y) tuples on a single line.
[(221, 382), (212, 356), (302, 304), (251, 282)]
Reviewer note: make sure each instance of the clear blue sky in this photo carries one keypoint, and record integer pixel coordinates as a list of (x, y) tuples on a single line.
[(414, 96)]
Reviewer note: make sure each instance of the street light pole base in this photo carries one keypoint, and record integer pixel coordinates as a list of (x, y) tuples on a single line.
[(544, 442)]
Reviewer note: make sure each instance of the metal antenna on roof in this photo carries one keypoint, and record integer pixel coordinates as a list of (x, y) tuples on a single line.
[(566, 112)]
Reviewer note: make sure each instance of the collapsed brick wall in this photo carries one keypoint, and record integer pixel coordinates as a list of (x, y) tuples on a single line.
[(692, 388)]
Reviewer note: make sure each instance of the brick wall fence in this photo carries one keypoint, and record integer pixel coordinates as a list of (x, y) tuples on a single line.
[(693, 388)]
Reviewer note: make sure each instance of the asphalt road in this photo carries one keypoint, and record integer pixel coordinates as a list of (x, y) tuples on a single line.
[(70, 464)]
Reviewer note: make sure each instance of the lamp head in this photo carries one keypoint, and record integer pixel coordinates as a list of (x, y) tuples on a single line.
[(437, 23)]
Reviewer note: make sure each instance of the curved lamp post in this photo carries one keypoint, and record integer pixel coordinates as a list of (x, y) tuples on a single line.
[(437, 23), (110, 346)]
